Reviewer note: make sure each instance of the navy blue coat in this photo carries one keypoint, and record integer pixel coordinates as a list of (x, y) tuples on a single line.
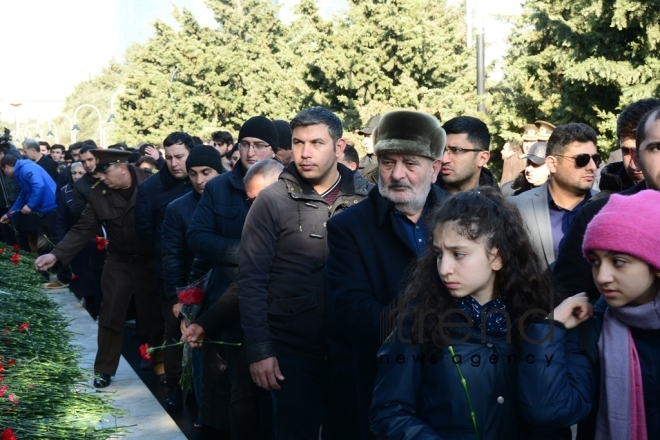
[(368, 256), (154, 194), (647, 343), (177, 256), (515, 394), (215, 231)]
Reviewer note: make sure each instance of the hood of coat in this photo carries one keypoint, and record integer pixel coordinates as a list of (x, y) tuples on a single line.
[(614, 178), (351, 182)]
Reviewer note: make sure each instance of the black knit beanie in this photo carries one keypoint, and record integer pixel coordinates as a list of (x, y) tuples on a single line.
[(284, 134), (260, 127), (204, 156)]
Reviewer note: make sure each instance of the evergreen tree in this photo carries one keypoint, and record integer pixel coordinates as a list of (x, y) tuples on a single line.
[(395, 54), (581, 61)]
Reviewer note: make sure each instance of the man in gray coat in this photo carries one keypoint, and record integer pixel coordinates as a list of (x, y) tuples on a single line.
[(572, 159)]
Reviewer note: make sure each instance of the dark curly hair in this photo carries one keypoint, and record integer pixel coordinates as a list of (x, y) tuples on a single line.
[(523, 282)]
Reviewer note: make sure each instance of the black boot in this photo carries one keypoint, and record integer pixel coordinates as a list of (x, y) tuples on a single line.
[(174, 399)]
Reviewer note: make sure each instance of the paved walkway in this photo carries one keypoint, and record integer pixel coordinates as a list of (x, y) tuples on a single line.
[(147, 418)]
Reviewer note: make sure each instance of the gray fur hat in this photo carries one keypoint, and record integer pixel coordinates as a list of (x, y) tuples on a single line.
[(409, 132)]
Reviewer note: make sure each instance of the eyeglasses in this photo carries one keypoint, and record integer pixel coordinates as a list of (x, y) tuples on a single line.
[(457, 151), (245, 145), (582, 160)]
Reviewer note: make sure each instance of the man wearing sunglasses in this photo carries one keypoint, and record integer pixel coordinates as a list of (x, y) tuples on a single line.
[(572, 160)]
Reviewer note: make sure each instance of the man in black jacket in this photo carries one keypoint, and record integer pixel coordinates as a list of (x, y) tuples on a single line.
[(32, 151), (371, 245), (622, 175), (214, 236), (281, 280), (571, 270), (170, 183)]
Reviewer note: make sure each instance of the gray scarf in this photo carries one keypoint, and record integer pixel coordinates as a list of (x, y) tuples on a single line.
[(621, 414)]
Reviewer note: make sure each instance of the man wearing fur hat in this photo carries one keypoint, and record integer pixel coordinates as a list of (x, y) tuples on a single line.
[(281, 285), (371, 245)]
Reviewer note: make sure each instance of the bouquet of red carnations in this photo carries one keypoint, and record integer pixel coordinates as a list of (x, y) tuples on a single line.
[(191, 298)]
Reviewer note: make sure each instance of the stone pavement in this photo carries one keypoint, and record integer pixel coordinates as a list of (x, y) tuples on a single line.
[(145, 415)]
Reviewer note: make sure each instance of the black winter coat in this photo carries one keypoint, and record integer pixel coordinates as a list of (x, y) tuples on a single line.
[(537, 392), (613, 179), (281, 278), (369, 253), (486, 178), (153, 197), (571, 270), (215, 231), (49, 165), (177, 256)]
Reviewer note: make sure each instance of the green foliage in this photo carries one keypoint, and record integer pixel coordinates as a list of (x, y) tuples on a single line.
[(580, 61), (99, 92), (379, 56)]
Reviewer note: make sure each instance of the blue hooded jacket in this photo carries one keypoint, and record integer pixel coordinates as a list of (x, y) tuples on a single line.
[(37, 188)]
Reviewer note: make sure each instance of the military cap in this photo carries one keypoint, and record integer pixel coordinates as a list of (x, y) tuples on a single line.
[(409, 132), (105, 158), (537, 153), (371, 124), (545, 130), (530, 133)]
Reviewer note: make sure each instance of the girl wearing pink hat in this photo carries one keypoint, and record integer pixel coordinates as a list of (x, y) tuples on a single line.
[(622, 243)]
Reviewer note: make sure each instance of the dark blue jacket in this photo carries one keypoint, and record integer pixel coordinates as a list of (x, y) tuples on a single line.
[(368, 256), (153, 197), (647, 343), (515, 394), (177, 256), (215, 231), (64, 220), (37, 188)]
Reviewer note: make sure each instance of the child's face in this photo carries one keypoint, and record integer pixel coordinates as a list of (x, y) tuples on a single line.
[(623, 279), (465, 267)]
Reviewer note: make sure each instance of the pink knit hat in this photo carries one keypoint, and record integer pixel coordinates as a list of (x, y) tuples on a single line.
[(627, 224)]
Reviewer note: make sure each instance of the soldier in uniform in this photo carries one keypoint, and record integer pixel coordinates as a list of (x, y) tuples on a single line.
[(128, 276), (545, 129)]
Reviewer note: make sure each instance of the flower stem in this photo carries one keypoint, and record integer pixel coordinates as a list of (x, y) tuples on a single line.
[(467, 394)]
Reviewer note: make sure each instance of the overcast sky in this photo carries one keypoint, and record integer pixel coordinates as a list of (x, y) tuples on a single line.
[(53, 45)]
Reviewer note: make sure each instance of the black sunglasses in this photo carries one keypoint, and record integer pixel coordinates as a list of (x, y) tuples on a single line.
[(582, 160)]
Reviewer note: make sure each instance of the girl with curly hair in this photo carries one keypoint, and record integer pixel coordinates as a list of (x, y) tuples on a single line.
[(478, 351)]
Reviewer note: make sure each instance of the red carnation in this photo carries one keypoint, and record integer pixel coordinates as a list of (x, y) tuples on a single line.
[(11, 362), (15, 258), (101, 243), (2, 390), (16, 248), (23, 327), (2, 250), (191, 296), (144, 352), (74, 277), (2, 368), (8, 434)]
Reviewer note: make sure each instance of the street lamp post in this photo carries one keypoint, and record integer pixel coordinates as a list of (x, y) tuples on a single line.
[(50, 132), (37, 133), (73, 135), (75, 125)]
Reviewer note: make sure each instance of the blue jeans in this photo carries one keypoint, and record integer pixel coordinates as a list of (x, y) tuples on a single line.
[(316, 396)]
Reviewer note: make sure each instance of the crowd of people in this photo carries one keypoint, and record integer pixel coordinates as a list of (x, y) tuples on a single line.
[(404, 294)]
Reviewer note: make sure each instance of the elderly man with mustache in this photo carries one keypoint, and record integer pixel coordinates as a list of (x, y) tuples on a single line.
[(371, 245)]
